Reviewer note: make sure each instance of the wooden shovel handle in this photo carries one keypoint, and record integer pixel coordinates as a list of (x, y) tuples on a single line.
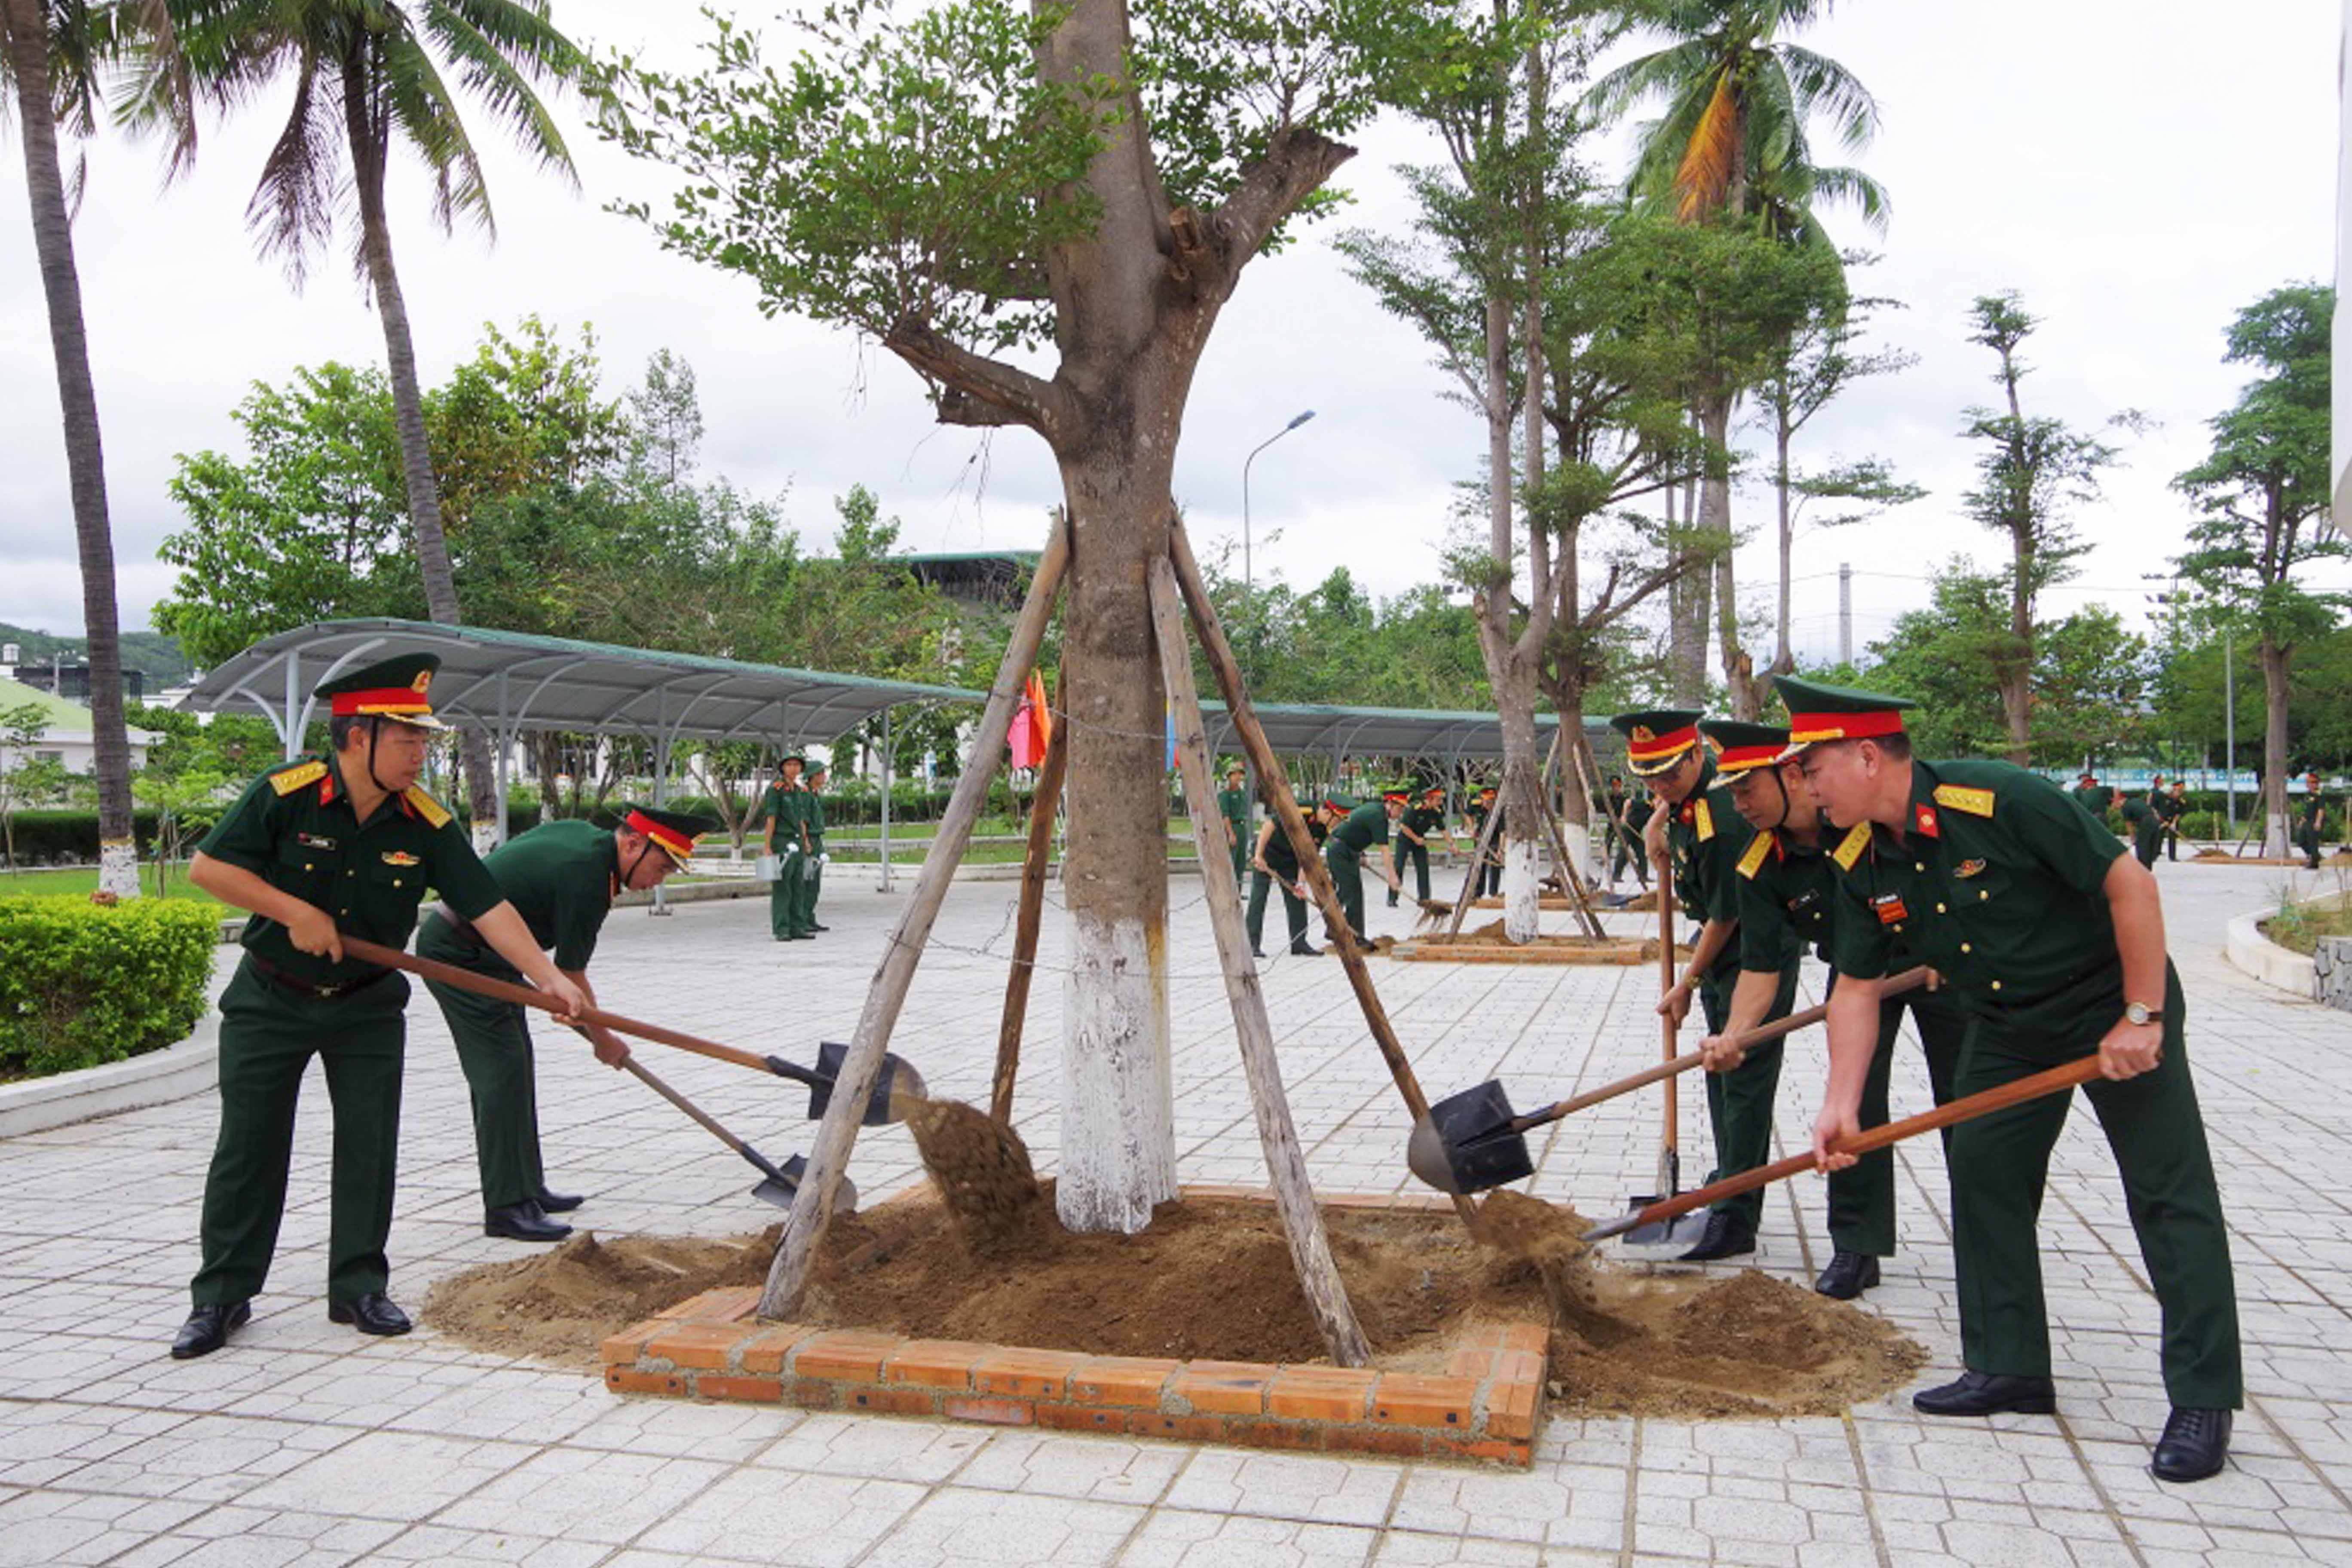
[(529, 996), (1984, 1102), (1747, 1040)]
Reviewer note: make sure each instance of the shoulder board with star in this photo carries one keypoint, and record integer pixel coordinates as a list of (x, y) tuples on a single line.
[(294, 775), (1703, 820), (1959, 797), (1753, 861), (434, 814), (1850, 851)]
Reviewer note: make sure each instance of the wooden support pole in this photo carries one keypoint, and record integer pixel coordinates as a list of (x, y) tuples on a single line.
[(1042, 810), (1251, 735), (1578, 892), (838, 1133), (1286, 1163), (1477, 864)]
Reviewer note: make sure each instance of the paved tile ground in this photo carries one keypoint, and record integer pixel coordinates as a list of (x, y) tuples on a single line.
[(305, 1444)]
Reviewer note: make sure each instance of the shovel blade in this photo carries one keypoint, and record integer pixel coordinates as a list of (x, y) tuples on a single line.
[(1671, 1236), (894, 1085), (1465, 1145), (783, 1184)]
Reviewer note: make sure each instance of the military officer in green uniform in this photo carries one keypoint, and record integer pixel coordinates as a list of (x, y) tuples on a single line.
[(2052, 939), (1354, 828), (2308, 820), (561, 879), (1633, 814), (813, 861), (1233, 810), (1706, 839), (314, 849), (2147, 827), (1420, 819), (1274, 862), (786, 837), (1396, 803), (1489, 881), (1788, 896), (2170, 807)]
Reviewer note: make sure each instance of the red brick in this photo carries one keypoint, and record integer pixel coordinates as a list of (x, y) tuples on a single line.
[(1301, 1437), (853, 1355), (1082, 1418), (1223, 1387), (1470, 1363), (1407, 1399), (747, 1390), (888, 1401), (621, 1349), (1396, 1442), (993, 1412), (1534, 1337), (764, 1352), (1319, 1394), (1520, 1366), (1122, 1379), (622, 1380), (1026, 1373), (934, 1363), (705, 1346), (1511, 1409), (721, 1306), (1183, 1428), (1518, 1454), (812, 1393)]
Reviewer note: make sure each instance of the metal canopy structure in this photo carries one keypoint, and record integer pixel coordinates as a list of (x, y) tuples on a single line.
[(1299, 729)]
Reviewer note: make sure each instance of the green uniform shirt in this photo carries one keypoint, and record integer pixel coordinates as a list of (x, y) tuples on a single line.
[(2313, 810), (1366, 825), (2138, 811), (784, 808), (2000, 884), (813, 819), (1706, 837), (2168, 808), (2093, 798), (1423, 820), (562, 877), (1281, 856), (1787, 900), (1233, 806), (294, 828)]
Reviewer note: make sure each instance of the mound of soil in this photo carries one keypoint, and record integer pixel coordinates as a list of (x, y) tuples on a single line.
[(1213, 1279)]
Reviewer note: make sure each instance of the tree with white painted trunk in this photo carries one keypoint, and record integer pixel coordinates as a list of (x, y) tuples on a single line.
[(977, 184)]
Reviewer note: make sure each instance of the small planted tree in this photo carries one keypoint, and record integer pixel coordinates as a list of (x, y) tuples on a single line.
[(23, 776)]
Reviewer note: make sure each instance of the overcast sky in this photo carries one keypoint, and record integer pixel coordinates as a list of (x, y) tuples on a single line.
[(2140, 169)]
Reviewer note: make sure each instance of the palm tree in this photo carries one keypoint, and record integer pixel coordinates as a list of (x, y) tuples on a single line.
[(51, 52), (365, 74), (1734, 146)]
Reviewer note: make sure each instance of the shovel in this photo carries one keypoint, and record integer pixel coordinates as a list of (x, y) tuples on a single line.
[(1468, 1141), (778, 1184), (1663, 1211), (1669, 1232), (895, 1087)]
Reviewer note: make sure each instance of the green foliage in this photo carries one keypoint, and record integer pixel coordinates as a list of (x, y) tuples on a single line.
[(25, 779), (82, 985), (70, 836)]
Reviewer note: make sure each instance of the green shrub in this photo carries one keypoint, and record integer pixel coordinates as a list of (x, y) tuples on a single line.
[(80, 984), (2204, 824), (67, 838)]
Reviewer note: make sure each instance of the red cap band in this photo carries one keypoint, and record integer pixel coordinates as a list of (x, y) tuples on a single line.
[(1804, 729)]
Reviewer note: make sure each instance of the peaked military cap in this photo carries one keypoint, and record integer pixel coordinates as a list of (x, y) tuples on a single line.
[(674, 831), (1438, 790), (1655, 738), (1338, 801), (799, 757), (398, 689), (1741, 747), (1819, 713)]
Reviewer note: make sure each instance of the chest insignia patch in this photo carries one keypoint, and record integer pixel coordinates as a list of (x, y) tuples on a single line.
[(1975, 802), (1923, 817), (314, 841), (1889, 908), (1857, 839), (400, 857), (1968, 869)]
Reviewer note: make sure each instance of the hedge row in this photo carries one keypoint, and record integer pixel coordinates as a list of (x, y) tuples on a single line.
[(81, 984)]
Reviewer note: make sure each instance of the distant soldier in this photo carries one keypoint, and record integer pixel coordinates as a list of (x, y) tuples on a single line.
[(1234, 808), (2146, 826), (1488, 883), (2173, 807), (1634, 809), (2308, 822), (814, 862), (1356, 827), (782, 809), (1273, 863), (2094, 794), (1420, 820)]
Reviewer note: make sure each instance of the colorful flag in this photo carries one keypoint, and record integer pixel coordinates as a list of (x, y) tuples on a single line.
[(1033, 726)]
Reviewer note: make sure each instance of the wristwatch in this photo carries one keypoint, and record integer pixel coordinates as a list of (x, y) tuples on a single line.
[(2141, 1014)]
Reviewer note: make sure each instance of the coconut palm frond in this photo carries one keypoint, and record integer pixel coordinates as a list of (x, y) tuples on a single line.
[(420, 103), (485, 40), (1849, 185), (293, 204), (1703, 178), (1826, 87), (1669, 71)]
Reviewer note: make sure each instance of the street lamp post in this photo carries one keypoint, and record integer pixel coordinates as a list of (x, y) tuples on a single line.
[(1249, 588)]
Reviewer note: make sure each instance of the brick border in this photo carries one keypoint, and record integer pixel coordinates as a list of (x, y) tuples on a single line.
[(1486, 1406)]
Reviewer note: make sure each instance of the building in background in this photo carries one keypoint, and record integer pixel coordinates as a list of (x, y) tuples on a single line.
[(67, 738)]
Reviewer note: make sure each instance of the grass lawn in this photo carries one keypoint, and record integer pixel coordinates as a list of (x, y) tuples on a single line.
[(2299, 928), (82, 881)]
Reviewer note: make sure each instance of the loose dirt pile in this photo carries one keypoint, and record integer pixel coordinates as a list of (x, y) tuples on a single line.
[(980, 1166), (1213, 1279)]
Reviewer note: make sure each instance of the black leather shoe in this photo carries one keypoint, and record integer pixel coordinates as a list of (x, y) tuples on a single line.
[(1988, 1394), (1257, 953), (1304, 950), (559, 1202), (1848, 1276), (819, 927), (2195, 1444), (522, 1222), (207, 1329), (1727, 1236), (372, 1313)]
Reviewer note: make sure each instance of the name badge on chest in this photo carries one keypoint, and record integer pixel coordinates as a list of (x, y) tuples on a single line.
[(314, 841), (1890, 908)]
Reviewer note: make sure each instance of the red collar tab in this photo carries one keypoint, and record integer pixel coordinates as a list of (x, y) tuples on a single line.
[(1923, 817)]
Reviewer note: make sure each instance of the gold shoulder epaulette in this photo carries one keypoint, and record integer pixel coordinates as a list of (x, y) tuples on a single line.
[(1975, 802), (1704, 820), (434, 814), (1753, 861), (288, 779), (1850, 851)]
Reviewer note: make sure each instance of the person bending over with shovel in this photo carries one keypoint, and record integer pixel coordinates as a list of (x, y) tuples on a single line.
[(314, 849), (561, 879), (2053, 939), (1705, 838), (1787, 895), (1353, 829)]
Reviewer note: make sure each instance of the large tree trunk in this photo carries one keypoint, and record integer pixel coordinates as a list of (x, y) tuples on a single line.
[(1522, 798), (2016, 674), (364, 120), (2277, 689), (1784, 659), (1715, 531), (28, 57), (1687, 606)]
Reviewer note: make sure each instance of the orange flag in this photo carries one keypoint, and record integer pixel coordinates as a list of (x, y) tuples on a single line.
[(1033, 726)]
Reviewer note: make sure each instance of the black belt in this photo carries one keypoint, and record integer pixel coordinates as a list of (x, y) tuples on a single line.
[(277, 975)]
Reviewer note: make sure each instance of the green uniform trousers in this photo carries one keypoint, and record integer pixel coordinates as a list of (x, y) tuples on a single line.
[(2307, 840), (268, 1034), (1348, 878), (2000, 1164), (805, 877), (494, 1048), (1292, 908), (785, 898), (1739, 1102), (1417, 855), (1861, 1197), (1240, 847), (1628, 847)]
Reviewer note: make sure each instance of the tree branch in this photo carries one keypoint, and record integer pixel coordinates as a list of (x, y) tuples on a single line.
[(1296, 164), (979, 390)]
